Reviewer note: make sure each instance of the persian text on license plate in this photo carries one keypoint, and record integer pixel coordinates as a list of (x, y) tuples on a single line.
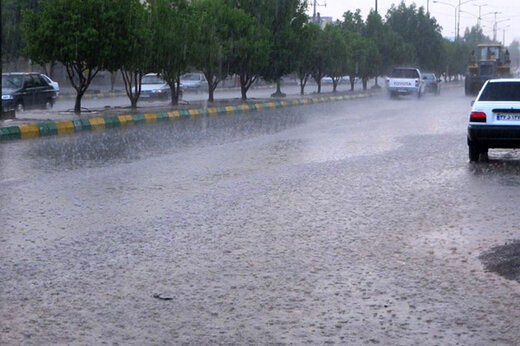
[(508, 117)]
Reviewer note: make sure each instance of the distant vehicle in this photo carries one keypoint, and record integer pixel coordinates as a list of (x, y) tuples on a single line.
[(154, 87), (194, 81), (346, 80), (494, 121), (491, 62), (52, 83), (26, 90), (326, 80), (405, 81), (431, 83)]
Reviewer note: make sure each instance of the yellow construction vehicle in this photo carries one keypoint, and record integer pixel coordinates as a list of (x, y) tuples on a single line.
[(491, 61)]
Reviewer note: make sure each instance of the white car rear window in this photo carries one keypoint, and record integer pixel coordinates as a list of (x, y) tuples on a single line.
[(501, 91)]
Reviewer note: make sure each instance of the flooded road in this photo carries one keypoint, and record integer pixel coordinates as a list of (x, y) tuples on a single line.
[(350, 222)]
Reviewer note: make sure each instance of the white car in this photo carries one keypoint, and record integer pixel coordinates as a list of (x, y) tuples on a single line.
[(494, 121), (154, 87), (52, 83), (194, 81), (405, 81)]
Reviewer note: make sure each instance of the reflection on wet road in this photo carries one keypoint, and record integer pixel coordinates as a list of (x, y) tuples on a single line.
[(352, 222)]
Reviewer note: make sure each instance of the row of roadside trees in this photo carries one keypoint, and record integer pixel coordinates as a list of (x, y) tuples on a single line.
[(251, 39)]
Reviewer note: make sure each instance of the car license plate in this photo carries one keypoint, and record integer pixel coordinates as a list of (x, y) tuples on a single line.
[(508, 117), (401, 90)]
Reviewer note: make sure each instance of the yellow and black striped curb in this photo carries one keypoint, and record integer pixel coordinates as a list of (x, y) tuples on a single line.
[(51, 128)]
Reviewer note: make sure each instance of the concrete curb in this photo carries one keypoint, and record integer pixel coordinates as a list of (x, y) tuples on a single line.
[(52, 128)]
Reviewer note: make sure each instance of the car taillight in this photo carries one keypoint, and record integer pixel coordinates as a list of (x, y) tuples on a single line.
[(477, 117), (416, 82)]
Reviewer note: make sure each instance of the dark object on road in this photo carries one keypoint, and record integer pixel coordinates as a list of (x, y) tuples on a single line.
[(491, 62), (494, 121), (26, 90), (432, 83), (503, 260), (162, 296)]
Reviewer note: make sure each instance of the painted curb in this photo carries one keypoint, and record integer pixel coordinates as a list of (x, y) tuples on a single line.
[(54, 128)]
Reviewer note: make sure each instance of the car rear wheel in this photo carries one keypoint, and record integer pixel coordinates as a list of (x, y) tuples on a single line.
[(474, 152)]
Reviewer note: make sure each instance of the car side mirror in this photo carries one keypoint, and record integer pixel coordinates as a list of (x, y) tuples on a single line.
[(472, 103), (439, 80)]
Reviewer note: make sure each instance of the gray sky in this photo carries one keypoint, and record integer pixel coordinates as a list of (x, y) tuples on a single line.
[(444, 13)]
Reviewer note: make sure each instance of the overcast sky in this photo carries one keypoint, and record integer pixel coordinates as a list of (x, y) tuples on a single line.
[(444, 13)]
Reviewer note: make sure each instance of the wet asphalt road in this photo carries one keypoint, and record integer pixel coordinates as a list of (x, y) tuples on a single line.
[(352, 222)]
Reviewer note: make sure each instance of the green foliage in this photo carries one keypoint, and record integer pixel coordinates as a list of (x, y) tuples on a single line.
[(171, 31), (217, 30), (137, 46), (86, 36), (12, 43), (337, 59), (514, 51), (306, 39), (282, 19), (416, 27), (250, 50)]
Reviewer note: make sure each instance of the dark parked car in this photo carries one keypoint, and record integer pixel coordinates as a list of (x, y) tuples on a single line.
[(432, 83), (26, 90)]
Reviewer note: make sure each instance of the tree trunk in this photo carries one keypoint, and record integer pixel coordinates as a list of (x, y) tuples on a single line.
[(365, 82), (334, 84), (319, 85), (278, 92), (302, 87), (113, 78), (243, 91), (211, 89), (77, 105), (352, 81)]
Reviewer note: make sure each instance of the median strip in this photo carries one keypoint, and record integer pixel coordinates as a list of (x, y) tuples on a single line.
[(51, 128)]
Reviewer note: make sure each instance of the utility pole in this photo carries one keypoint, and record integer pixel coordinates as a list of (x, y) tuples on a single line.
[(495, 28), (458, 21), (376, 7), (479, 20), (428, 6), (314, 14)]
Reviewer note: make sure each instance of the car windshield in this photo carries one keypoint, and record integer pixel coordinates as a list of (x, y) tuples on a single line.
[(12, 82), (501, 91), (152, 80), (191, 77), (404, 73)]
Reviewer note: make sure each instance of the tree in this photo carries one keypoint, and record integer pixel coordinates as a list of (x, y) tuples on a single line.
[(305, 41), (282, 18), (137, 48), (369, 60), (12, 43), (514, 51), (320, 59), (337, 62), (416, 27), (84, 35), (216, 31), (171, 34), (249, 51)]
